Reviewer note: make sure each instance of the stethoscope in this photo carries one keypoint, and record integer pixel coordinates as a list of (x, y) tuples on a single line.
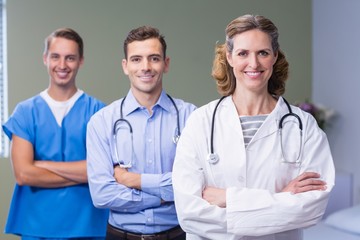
[(213, 157), (122, 119)]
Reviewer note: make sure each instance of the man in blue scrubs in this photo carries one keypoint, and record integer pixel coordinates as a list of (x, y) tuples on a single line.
[(51, 198)]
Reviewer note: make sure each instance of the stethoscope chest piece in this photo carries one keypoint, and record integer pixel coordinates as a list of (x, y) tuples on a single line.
[(176, 138), (213, 158)]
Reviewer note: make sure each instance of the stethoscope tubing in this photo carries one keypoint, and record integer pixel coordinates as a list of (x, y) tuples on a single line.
[(213, 157), (122, 119), (290, 114)]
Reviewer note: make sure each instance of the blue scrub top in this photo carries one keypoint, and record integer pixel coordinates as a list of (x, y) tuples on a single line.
[(54, 212)]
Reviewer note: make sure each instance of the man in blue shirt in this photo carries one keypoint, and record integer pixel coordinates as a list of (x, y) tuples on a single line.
[(131, 146), (51, 198)]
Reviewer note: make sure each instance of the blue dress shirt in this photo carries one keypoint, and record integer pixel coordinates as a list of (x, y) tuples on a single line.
[(151, 150)]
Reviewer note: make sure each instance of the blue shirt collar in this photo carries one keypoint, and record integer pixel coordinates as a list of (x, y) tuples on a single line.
[(132, 105)]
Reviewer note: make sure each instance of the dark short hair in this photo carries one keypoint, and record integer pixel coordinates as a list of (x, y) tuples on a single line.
[(144, 33), (66, 33)]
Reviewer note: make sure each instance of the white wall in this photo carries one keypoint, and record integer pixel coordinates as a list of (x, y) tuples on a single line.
[(336, 83)]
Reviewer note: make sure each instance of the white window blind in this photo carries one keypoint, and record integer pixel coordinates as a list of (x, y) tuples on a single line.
[(4, 143)]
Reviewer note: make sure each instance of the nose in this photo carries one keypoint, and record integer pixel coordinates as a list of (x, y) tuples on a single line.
[(146, 65), (253, 61), (62, 63)]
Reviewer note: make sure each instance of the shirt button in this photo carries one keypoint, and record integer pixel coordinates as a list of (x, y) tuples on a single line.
[(241, 179)]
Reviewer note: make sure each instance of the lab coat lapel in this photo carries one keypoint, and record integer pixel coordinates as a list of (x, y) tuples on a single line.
[(271, 123), (231, 117), (234, 159)]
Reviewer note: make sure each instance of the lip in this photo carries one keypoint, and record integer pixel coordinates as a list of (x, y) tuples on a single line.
[(146, 77), (62, 74), (253, 74)]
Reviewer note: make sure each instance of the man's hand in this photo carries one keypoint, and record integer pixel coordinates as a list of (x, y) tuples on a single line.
[(126, 178), (308, 181)]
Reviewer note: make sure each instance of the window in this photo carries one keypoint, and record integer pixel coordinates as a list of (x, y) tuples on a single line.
[(4, 143)]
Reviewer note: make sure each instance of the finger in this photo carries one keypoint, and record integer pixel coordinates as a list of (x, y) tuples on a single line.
[(307, 175), (310, 188), (309, 182)]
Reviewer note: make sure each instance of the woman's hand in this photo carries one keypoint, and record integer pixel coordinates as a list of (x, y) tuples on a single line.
[(308, 181), (215, 196)]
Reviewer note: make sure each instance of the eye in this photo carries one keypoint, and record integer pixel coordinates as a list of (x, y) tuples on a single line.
[(155, 59), (71, 58), (264, 53), (242, 53), (54, 56), (135, 59)]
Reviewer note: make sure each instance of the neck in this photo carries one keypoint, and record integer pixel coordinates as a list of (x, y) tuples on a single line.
[(252, 105), (147, 100), (61, 94)]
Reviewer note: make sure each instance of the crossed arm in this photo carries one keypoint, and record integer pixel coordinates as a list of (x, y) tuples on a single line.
[(308, 181), (305, 182), (48, 174), (129, 179)]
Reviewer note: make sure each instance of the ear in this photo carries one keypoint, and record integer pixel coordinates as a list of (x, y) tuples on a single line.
[(124, 66), (82, 61), (167, 64), (276, 57), (45, 59)]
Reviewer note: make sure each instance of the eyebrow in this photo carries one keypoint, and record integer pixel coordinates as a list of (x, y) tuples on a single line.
[(67, 55), (140, 56), (263, 49), (155, 55)]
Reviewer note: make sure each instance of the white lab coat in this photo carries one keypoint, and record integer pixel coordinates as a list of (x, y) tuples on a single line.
[(254, 177)]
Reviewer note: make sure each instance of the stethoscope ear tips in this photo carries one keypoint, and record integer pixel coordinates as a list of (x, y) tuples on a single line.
[(213, 158)]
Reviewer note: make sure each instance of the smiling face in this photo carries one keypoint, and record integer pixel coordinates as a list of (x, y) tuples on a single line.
[(145, 66), (252, 60), (63, 61)]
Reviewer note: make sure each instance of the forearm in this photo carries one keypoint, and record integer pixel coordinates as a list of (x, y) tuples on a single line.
[(73, 171), (40, 177), (27, 172), (195, 214), (107, 193), (159, 185), (126, 178), (249, 209)]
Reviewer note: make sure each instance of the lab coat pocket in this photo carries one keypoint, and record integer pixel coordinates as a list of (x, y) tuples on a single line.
[(216, 176), (284, 173)]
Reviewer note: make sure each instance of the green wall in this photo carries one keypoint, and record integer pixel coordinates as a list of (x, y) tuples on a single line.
[(191, 29)]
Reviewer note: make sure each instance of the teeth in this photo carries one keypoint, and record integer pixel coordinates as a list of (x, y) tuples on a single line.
[(146, 77), (252, 73), (62, 74)]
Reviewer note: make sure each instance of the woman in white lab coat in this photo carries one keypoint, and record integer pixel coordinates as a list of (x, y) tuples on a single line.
[(235, 176)]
